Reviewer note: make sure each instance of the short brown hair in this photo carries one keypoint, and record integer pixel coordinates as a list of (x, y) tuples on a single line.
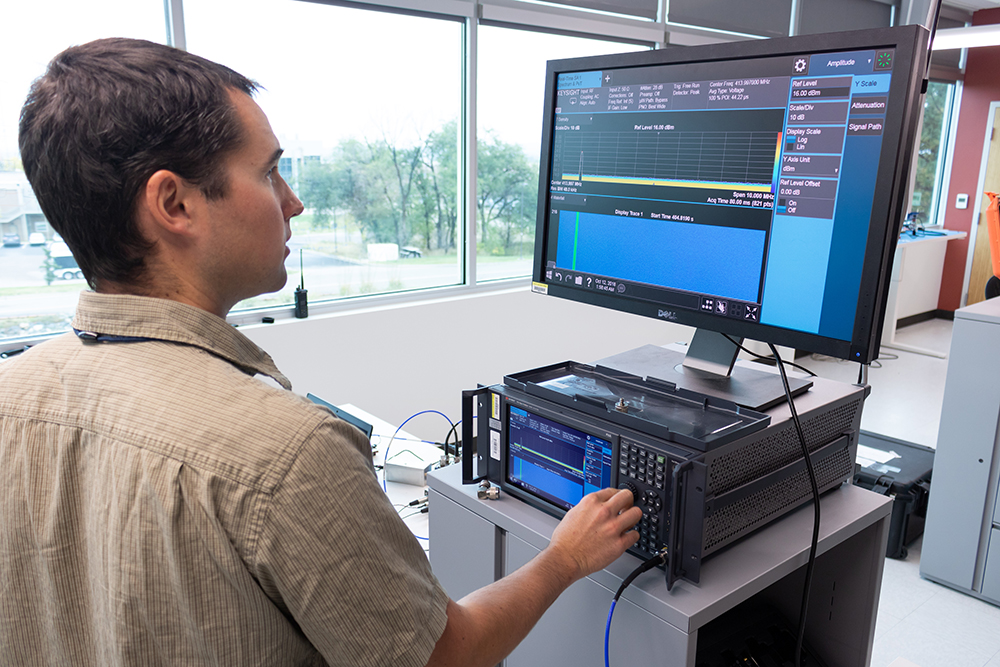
[(105, 117)]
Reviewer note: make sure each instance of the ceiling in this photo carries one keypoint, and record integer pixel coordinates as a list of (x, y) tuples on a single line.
[(973, 5)]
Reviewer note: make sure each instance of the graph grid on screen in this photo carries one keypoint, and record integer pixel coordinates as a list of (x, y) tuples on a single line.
[(746, 160)]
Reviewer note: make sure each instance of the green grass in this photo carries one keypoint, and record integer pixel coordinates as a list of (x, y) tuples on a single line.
[(16, 327), (75, 286)]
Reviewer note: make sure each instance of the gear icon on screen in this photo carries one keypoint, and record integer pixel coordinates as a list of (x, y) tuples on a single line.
[(800, 65)]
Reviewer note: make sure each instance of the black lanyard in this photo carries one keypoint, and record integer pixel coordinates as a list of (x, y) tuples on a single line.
[(109, 338)]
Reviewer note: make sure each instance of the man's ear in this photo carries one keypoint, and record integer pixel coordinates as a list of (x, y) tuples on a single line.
[(169, 206)]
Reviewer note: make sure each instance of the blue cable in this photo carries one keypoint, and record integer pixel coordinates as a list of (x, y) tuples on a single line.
[(659, 559), (426, 442), (385, 458), (398, 429), (607, 634)]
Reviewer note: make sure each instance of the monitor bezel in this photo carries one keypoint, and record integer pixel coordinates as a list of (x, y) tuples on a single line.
[(910, 44)]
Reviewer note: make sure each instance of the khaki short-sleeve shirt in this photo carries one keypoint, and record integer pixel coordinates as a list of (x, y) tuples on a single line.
[(160, 505)]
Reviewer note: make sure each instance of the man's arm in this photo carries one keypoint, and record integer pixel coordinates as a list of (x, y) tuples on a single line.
[(486, 625)]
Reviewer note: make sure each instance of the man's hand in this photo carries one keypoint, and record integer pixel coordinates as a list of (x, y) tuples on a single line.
[(488, 624), (595, 532)]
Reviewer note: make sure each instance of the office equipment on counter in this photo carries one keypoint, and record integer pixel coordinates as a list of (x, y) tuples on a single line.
[(344, 414), (475, 542), (705, 471), (409, 462)]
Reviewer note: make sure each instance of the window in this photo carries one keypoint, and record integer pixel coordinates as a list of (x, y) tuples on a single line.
[(511, 74), (754, 17), (39, 283), (366, 105), (932, 152)]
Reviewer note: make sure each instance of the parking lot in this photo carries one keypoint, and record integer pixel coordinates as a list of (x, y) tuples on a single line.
[(22, 267), (326, 276)]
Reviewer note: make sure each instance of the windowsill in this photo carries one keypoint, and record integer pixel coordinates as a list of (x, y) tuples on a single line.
[(337, 308), (378, 302)]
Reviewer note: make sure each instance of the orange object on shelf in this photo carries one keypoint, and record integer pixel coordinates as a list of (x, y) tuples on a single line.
[(993, 229)]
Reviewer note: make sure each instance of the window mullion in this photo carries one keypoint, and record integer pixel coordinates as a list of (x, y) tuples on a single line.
[(469, 137)]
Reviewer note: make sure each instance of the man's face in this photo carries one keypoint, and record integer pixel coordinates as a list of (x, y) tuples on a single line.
[(250, 225)]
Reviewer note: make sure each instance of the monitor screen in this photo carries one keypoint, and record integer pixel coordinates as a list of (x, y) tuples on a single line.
[(554, 461), (752, 188)]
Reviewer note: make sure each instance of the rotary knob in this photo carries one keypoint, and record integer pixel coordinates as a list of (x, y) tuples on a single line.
[(631, 487)]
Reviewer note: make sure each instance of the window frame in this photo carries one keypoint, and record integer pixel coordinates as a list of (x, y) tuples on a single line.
[(529, 15)]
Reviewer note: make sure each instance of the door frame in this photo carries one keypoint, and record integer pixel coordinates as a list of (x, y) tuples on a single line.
[(977, 209)]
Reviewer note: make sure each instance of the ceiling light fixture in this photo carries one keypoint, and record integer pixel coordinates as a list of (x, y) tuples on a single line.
[(964, 38)]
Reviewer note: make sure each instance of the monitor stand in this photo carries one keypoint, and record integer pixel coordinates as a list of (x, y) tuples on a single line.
[(708, 368)]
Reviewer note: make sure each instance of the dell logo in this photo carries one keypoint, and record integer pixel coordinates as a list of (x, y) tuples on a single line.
[(667, 314)]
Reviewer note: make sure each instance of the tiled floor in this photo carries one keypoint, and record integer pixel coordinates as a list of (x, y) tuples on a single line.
[(920, 623), (932, 625)]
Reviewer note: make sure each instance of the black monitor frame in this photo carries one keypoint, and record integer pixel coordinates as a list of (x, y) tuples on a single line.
[(898, 134)]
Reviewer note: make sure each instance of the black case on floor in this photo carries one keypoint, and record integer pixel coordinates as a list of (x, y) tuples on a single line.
[(906, 479)]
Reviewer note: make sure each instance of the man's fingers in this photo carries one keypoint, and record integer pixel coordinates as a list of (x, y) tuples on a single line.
[(605, 494), (629, 518), (621, 500)]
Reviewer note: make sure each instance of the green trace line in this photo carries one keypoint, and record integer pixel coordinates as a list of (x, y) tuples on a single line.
[(576, 238), (549, 458)]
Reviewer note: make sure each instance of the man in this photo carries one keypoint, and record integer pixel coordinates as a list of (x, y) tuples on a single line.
[(159, 504)]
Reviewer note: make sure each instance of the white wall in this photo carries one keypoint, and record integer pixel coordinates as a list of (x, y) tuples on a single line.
[(396, 360)]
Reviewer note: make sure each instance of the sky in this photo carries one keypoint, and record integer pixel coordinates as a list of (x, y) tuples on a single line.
[(27, 47)]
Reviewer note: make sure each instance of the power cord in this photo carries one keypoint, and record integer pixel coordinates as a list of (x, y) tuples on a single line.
[(768, 360), (453, 432), (418, 506), (655, 561), (815, 491)]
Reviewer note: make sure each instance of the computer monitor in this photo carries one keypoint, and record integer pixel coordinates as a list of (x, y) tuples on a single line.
[(753, 189)]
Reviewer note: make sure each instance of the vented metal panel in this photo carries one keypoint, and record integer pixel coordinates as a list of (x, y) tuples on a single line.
[(757, 509), (777, 450)]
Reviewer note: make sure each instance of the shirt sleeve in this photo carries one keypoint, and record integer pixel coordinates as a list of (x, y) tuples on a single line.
[(334, 555)]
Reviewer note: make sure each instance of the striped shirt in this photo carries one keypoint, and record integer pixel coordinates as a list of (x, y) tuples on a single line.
[(161, 505)]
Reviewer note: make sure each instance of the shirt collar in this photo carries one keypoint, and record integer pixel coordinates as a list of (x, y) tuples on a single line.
[(162, 319)]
